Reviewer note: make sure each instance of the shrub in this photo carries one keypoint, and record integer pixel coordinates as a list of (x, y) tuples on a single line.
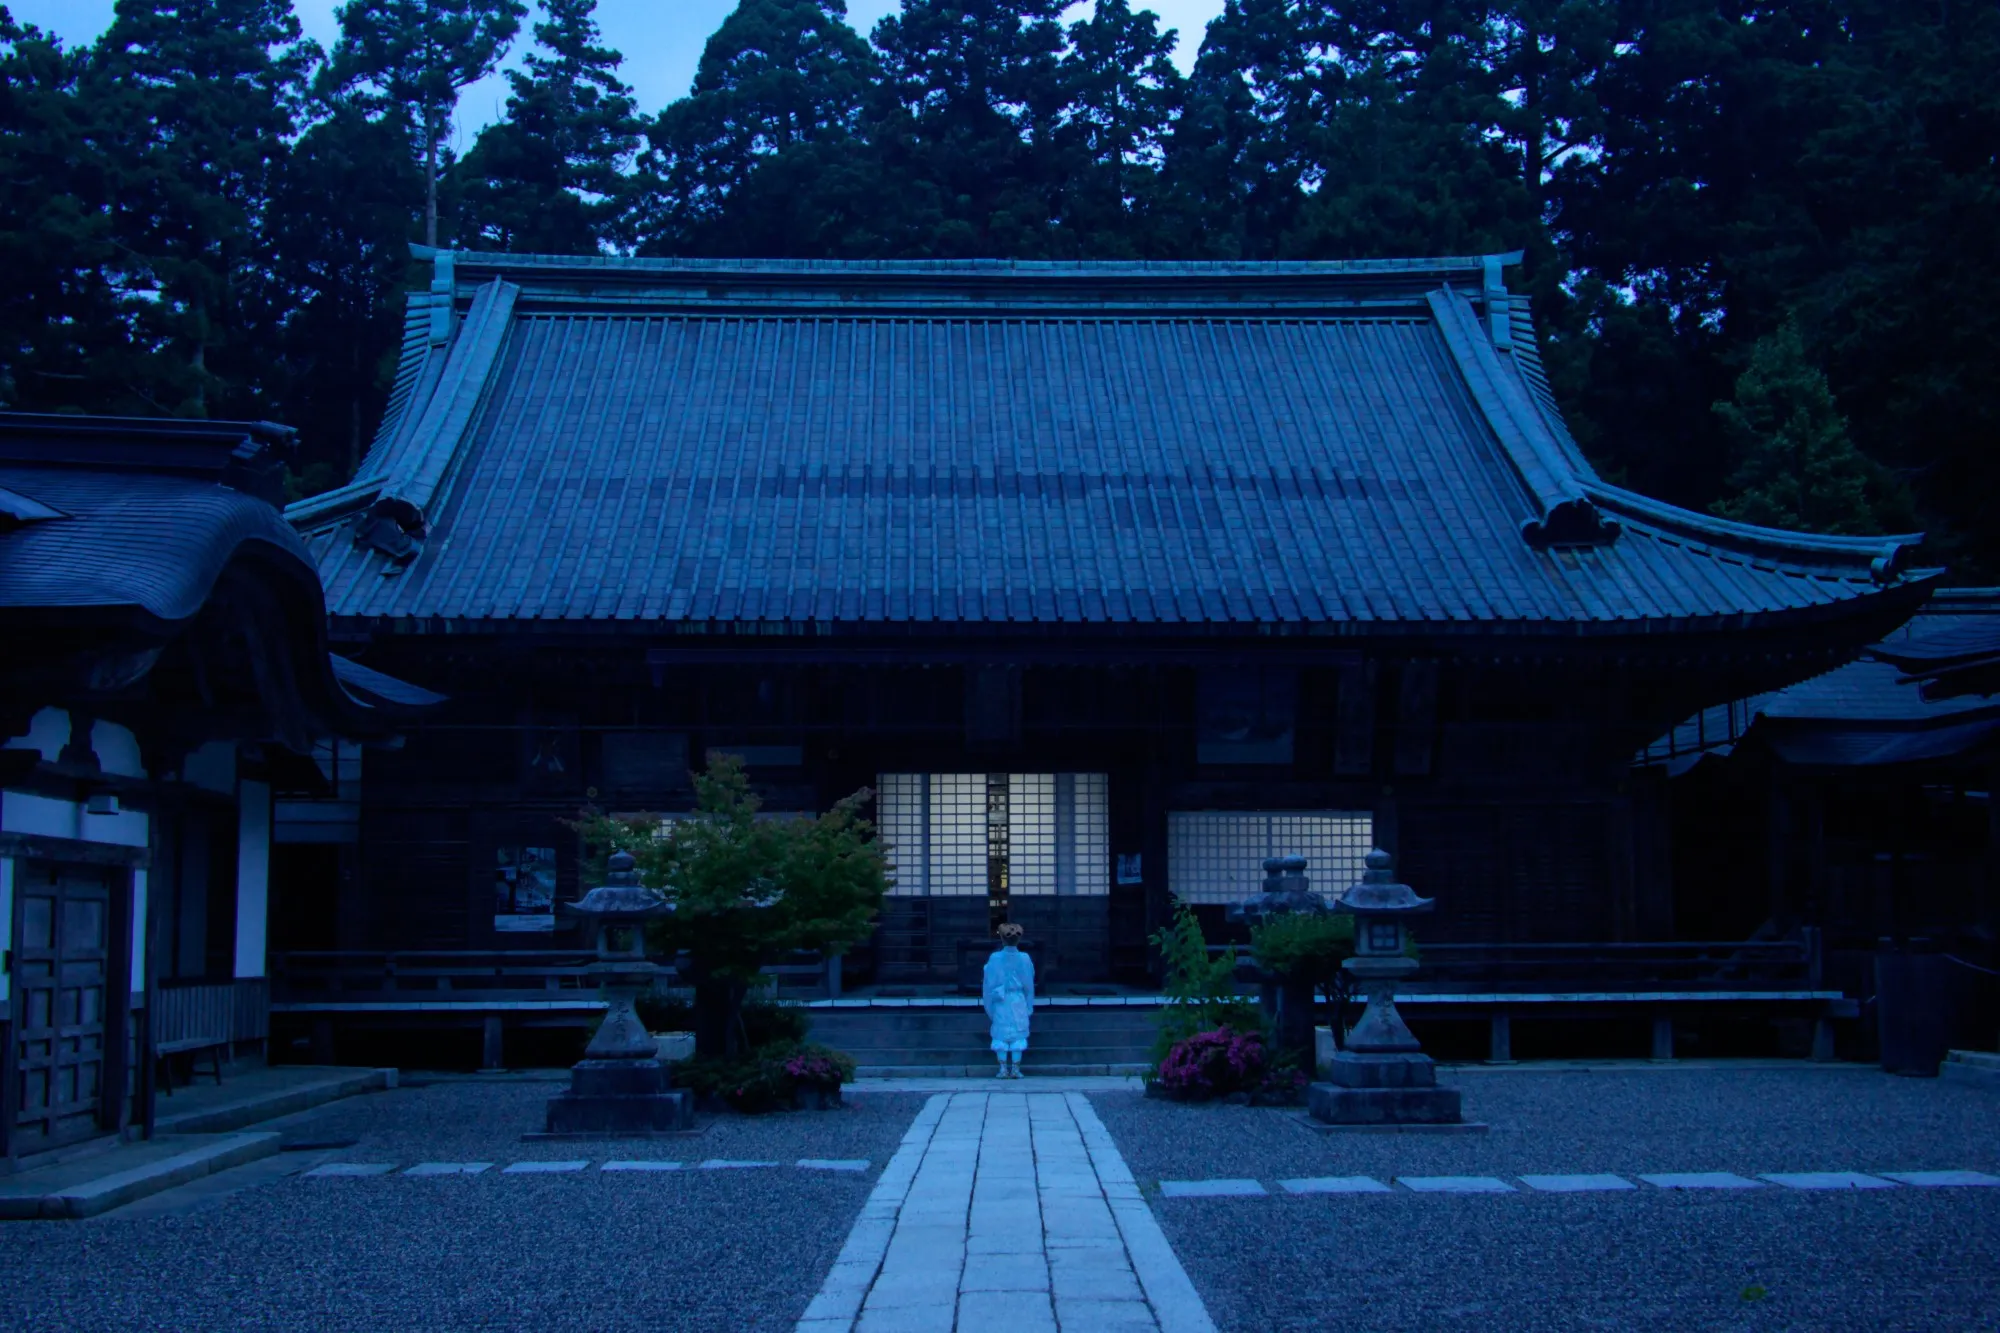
[(1200, 991), (1213, 1064), (820, 1067), (1226, 1063), (765, 1079), (1307, 943), (769, 1022), (750, 1084)]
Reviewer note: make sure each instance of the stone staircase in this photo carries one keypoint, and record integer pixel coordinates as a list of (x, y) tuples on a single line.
[(918, 1040)]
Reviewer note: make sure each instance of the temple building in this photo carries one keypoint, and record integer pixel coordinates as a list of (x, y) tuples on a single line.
[(163, 666), (1110, 579)]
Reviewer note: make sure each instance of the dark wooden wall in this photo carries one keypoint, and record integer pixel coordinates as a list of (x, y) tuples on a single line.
[(1503, 787)]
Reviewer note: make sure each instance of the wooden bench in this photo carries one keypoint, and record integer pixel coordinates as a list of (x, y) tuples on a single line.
[(193, 1020)]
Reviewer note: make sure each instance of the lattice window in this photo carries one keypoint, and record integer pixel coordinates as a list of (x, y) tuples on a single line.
[(1216, 856), (961, 834), (958, 850)]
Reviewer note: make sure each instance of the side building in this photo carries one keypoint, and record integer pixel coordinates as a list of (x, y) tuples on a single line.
[(1109, 579), (163, 665)]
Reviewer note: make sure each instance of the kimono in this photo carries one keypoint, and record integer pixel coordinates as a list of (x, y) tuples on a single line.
[(1009, 996)]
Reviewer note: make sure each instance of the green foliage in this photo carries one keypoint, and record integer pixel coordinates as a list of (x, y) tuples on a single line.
[(549, 178), (1200, 990), (765, 1078), (1797, 467), (746, 890), (1299, 943), (206, 216), (408, 60)]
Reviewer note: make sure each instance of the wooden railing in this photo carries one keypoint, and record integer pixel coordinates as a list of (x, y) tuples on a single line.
[(431, 974), (475, 976), (1686, 965), (187, 1012)]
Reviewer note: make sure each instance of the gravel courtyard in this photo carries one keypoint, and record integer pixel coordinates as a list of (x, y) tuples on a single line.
[(739, 1249), (1644, 1258), (746, 1248)]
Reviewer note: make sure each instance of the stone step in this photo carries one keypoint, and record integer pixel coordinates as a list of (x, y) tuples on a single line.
[(112, 1179), (984, 1070)]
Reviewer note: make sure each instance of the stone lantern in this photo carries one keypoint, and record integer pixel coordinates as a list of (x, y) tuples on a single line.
[(1382, 1076), (620, 1089)]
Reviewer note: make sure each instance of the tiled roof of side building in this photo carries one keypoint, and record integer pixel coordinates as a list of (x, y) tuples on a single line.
[(1368, 443), (1856, 712)]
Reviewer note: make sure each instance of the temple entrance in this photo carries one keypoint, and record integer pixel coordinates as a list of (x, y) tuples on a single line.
[(970, 850), (62, 1000)]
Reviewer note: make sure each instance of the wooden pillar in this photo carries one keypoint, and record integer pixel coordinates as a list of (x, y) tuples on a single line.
[(1779, 834), (1500, 1046), (1663, 1037), (491, 1057)]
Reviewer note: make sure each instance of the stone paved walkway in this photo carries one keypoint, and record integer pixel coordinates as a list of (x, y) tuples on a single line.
[(1012, 1212)]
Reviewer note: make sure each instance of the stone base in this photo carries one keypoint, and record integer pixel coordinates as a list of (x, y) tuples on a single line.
[(1322, 1127), (616, 1098), (1384, 1106), (1396, 1069)]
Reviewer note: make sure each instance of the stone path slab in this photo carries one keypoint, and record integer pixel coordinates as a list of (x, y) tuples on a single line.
[(1455, 1184), (1578, 1184), (1209, 1189), (541, 1168), (1943, 1179), (1827, 1180), (338, 1169), (1009, 1211), (1701, 1180), (447, 1168), (1334, 1185)]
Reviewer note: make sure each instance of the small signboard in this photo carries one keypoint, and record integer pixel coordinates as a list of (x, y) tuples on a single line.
[(1128, 869), (525, 889)]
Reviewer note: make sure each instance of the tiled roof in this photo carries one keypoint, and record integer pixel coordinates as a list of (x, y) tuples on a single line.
[(119, 530), (673, 441), (1865, 712)]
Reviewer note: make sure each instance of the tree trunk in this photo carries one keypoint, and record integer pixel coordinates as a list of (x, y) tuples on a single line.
[(430, 179), (718, 1027)]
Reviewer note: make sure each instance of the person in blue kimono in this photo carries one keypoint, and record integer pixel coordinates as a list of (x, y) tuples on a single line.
[(1009, 998)]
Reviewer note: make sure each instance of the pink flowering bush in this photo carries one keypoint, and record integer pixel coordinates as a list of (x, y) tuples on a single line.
[(820, 1067), (1214, 1064)]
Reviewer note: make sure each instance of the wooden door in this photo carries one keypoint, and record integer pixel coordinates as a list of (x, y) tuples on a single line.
[(62, 998)]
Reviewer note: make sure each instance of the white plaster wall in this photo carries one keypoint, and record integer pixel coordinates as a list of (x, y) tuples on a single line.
[(253, 876), (117, 749), (47, 731), (139, 935)]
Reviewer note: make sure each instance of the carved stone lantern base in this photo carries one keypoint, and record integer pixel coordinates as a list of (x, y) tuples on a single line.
[(1388, 1089), (620, 1099)]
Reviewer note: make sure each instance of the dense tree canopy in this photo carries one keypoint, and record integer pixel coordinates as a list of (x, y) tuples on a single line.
[(1762, 237)]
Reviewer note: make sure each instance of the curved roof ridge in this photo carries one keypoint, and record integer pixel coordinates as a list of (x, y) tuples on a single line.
[(469, 260), (1885, 556)]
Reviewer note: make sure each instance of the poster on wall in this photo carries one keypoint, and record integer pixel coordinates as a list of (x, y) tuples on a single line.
[(524, 889)]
